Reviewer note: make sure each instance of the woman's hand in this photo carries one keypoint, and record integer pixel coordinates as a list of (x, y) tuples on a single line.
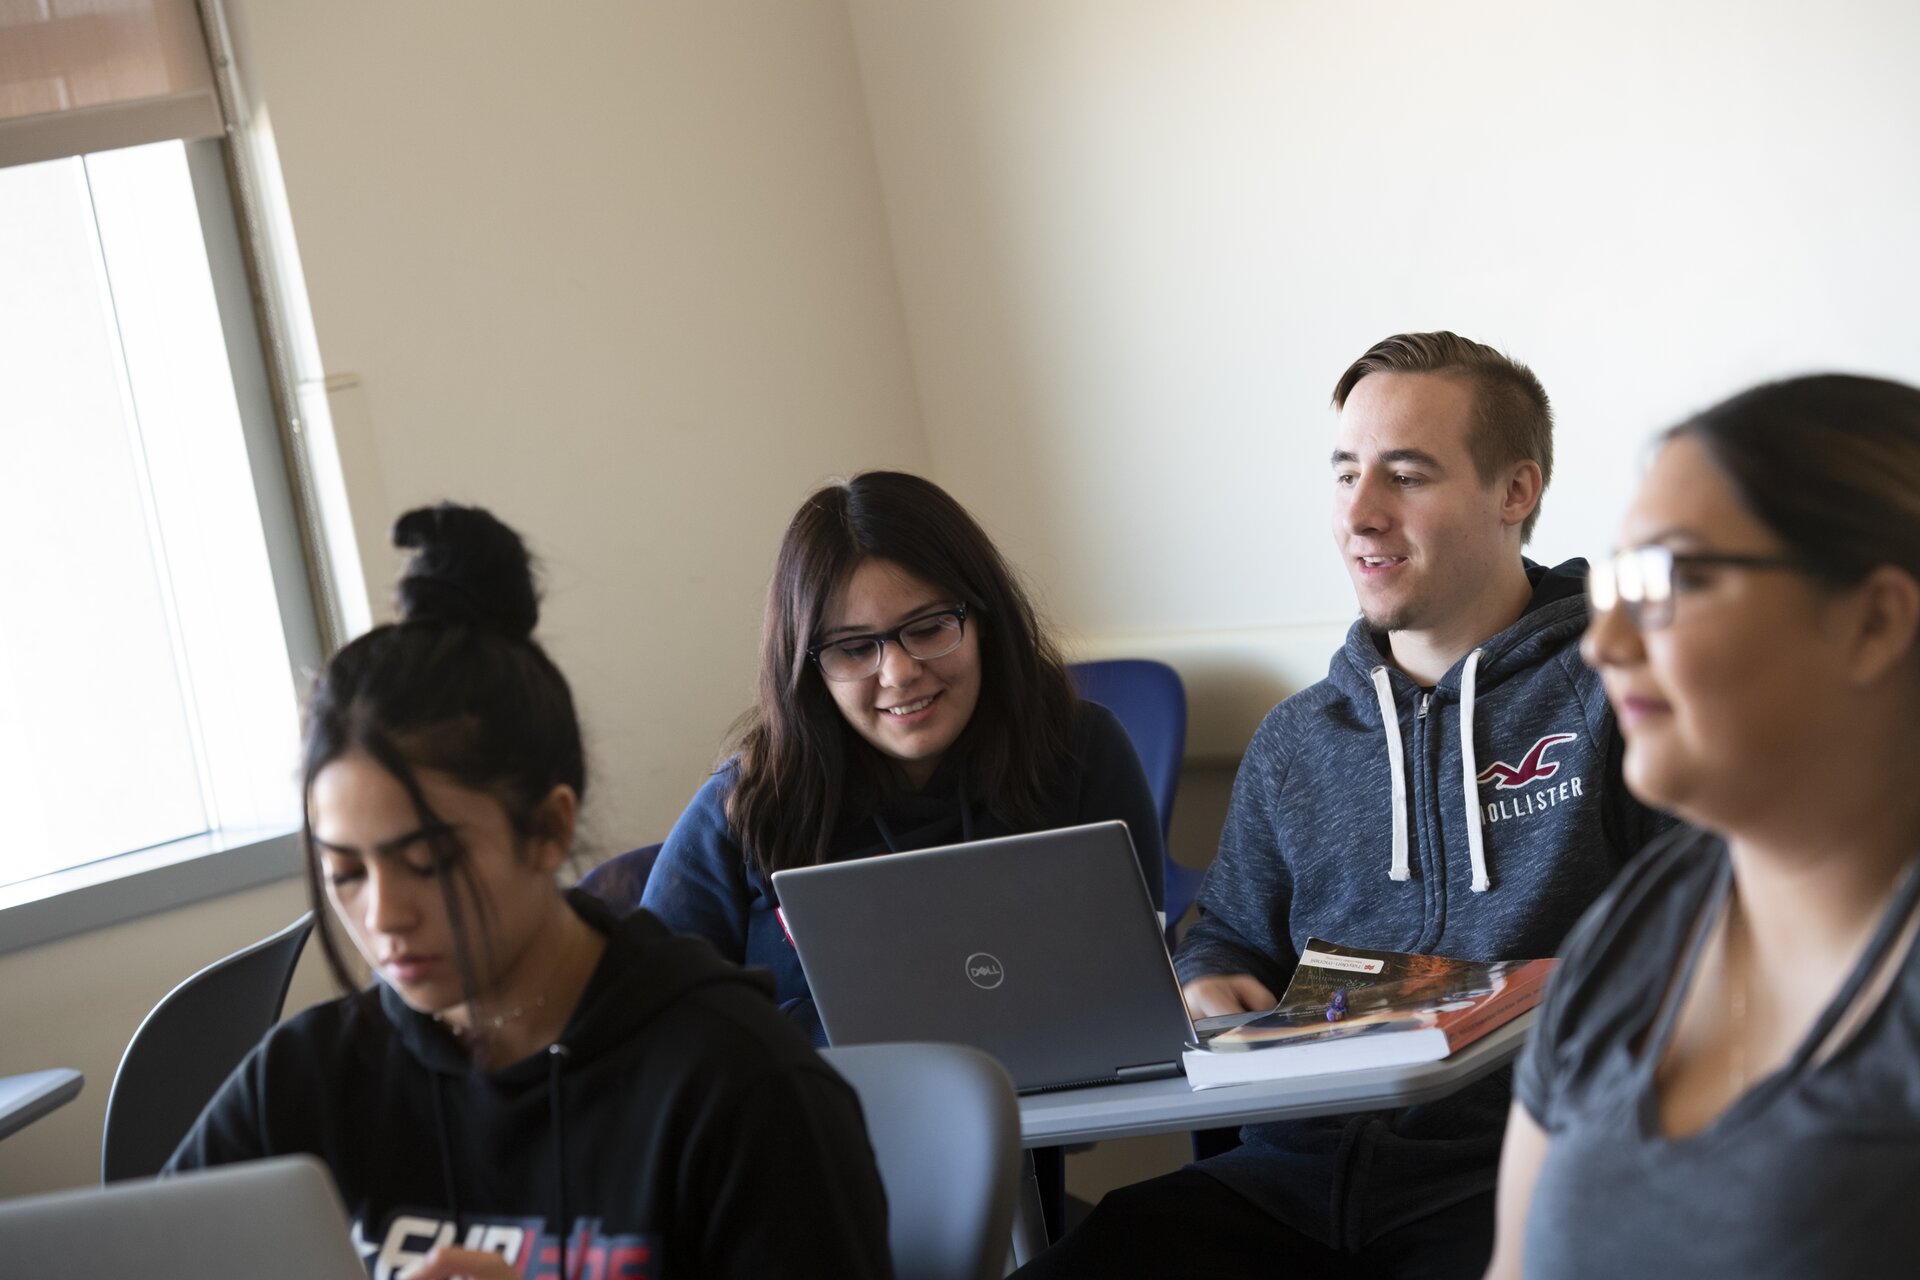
[(448, 1263)]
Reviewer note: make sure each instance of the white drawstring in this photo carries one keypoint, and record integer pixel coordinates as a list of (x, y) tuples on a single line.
[(1398, 765), (1470, 777)]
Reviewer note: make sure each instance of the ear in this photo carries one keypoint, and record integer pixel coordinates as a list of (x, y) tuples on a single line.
[(1884, 622), (1520, 492), (554, 820)]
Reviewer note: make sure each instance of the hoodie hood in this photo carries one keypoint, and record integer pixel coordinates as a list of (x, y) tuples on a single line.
[(644, 969), (679, 1127), (1554, 614), (1556, 610)]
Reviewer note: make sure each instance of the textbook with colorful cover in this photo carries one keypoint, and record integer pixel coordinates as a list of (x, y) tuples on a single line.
[(1349, 1008)]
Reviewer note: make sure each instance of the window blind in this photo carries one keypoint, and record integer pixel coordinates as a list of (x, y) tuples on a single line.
[(79, 76)]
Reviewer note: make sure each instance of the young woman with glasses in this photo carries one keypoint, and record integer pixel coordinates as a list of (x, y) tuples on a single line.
[(529, 1086), (908, 698), (1722, 1079)]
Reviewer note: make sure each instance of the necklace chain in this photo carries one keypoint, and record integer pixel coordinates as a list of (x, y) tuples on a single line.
[(495, 1021)]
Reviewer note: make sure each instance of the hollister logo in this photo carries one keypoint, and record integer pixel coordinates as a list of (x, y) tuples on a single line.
[(1533, 767)]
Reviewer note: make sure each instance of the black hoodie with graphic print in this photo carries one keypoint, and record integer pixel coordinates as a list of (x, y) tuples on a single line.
[(679, 1127)]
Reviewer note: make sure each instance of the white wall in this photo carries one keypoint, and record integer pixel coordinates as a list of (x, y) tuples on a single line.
[(1138, 242), (619, 272)]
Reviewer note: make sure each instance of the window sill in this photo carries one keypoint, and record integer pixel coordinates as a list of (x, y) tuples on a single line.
[(142, 883)]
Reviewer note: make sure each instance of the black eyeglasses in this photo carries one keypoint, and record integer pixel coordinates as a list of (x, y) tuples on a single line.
[(1644, 580), (929, 636)]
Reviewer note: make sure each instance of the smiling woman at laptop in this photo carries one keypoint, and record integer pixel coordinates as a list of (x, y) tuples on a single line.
[(908, 698), (529, 1077)]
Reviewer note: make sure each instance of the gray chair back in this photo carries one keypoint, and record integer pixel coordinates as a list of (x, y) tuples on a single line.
[(945, 1129), (188, 1046)]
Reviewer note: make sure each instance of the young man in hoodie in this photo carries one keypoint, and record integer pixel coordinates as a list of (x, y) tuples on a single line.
[(1452, 787)]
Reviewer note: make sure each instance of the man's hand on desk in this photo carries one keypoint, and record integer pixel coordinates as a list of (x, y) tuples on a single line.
[(1222, 993)]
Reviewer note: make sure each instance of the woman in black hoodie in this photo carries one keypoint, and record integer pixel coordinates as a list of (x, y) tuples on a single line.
[(532, 1088)]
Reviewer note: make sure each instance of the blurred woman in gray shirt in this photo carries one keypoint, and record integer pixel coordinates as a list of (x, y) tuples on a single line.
[(1724, 1078)]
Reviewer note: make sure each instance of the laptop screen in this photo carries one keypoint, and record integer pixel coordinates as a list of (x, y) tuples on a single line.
[(1044, 950)]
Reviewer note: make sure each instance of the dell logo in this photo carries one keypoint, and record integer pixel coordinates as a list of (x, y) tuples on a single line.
[(984, 971)]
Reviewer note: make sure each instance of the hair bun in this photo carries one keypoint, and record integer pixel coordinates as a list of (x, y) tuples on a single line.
[(466, 568)]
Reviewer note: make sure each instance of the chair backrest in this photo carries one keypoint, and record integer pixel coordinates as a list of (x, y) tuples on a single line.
[(620, 880), (189, 1045), (1151, 705), (945, 1129)]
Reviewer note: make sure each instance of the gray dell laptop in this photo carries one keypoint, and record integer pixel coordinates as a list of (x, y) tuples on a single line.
[(279, 1218), (1044, 950)]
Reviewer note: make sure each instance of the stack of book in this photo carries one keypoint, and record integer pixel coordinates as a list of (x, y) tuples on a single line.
[(1349, 1008)]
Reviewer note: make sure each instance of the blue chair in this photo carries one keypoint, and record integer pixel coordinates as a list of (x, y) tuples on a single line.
[(620, 880), (1151, 705)]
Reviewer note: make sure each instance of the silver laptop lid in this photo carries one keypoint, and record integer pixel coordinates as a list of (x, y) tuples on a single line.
[(1044, 950), (279, 1218)]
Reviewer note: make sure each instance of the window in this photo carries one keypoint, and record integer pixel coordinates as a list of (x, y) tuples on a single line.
[(145, 694), (174, 539), (148, 660)]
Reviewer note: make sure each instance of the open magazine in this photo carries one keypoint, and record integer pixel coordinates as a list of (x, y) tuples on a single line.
[(1348, 1008)]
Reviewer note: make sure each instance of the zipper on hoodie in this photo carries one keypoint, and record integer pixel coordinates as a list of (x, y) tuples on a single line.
[(1424, 828), (1419, 781)]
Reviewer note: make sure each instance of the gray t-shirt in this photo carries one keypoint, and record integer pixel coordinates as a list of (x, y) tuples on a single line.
[(1812, 1172)]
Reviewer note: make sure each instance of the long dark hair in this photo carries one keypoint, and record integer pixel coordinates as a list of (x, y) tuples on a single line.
[(1830, 463), (803, 772), (459, 686)]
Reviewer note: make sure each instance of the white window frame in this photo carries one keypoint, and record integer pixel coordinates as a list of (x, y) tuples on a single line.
[(130, 885)]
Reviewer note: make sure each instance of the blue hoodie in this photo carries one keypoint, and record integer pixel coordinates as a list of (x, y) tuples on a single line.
[(1352, 819)]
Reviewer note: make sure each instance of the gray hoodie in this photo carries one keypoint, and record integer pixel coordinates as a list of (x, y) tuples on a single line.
[(1353, 820)]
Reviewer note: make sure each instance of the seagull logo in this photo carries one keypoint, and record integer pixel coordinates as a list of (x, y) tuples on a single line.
[(1533, 767)]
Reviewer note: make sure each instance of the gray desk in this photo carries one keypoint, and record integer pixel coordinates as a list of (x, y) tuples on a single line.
[(1172, 1106), (24, 1099)]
